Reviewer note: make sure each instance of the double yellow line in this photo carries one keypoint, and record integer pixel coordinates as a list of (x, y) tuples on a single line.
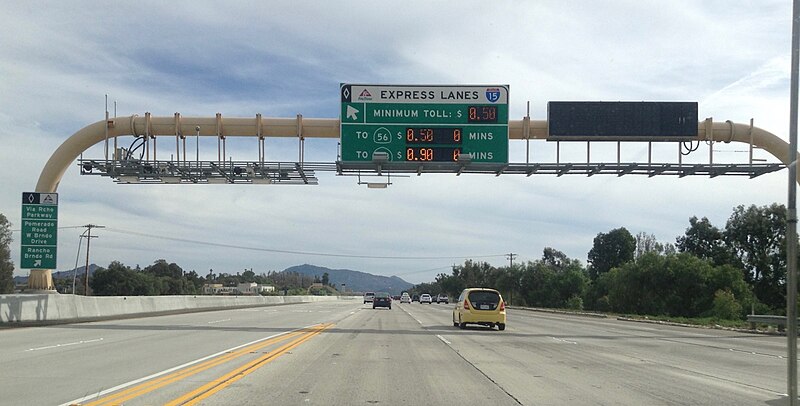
[(216, 385)]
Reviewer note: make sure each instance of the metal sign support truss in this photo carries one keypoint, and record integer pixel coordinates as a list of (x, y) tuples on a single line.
[(751, 170), (201, 172)]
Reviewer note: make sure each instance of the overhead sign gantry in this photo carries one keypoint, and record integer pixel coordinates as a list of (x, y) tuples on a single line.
[(403, 123)]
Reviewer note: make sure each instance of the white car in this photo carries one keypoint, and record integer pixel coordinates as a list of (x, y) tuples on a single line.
[(405, 298), (425, 298), (369, 297)]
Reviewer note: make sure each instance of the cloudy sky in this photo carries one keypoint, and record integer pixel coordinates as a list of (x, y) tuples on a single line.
[(284, 58)]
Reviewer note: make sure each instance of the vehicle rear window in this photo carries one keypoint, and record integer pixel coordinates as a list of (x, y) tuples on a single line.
[(381, 295), (481, 298)]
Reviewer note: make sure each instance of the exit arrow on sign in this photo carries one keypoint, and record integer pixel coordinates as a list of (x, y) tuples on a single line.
[(351, 112)]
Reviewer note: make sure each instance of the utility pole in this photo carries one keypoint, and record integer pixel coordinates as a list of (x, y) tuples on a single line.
[(89, 237), (511, 257)]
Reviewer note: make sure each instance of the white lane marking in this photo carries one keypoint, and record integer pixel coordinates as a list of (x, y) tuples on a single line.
[(218, 321), (564, 341), (443, 339), (412, 316), (755, 353), (173, 369), (64, 345)]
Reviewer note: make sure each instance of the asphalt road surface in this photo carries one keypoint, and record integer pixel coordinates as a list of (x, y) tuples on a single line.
[(346, 353)]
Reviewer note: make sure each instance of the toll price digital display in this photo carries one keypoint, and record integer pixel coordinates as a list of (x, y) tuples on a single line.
[(481, 114), (432, 154), (434, 135)]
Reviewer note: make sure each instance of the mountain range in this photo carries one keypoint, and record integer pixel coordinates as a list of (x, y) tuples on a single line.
[(355, 281)]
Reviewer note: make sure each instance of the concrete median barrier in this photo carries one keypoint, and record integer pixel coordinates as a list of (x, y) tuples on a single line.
[(50, 308)]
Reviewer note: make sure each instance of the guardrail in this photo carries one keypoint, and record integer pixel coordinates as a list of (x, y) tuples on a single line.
[(779, 321)]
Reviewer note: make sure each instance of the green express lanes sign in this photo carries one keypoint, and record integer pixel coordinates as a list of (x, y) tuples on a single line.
[(424, 123), (39, 236)]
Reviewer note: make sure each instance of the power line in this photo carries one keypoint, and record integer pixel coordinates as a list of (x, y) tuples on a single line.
[(424, 270), (319, 254)]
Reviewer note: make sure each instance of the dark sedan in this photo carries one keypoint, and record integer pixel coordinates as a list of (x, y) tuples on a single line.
[(382, 299)]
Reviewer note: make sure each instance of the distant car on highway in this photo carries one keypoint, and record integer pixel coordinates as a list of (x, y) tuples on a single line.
[(382, 299), (415, 298), (405, 298), (480, 306), (369, 297), (425, 298), (442, 298)]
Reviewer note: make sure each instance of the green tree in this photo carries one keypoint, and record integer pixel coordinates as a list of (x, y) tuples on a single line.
[(672, 285), (508, 282), (705, 241), (248, 276), (757, 236), (610, 250), (6, 266), (648, 243), (161, 268), (450, 284), (120, 280), (475, 274), (555, 258), (325, 279), (553, 281), (726, 306)]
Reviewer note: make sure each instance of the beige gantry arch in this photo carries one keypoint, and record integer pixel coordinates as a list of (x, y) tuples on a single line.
[(74, 146)]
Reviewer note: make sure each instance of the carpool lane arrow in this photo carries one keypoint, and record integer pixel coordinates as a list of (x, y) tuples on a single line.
[(351, 112)]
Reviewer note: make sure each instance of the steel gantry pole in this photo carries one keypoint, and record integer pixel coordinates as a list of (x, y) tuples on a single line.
[(791, 220)]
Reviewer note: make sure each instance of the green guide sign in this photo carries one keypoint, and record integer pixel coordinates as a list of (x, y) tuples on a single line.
[(424, 123), (39, 230)]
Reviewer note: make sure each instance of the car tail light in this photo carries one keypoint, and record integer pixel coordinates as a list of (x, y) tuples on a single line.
[(466, 305), (502, 305)]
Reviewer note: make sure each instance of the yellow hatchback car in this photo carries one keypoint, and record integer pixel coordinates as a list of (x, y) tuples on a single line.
[(480, 306)]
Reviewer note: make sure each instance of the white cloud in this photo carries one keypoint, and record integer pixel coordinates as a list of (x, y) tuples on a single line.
[(199, 58)]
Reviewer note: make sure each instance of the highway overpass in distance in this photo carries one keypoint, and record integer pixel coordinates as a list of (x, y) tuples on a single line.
[(345, 353)]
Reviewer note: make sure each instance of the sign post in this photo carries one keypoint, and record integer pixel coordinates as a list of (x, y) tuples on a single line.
[(424, 123), (39, 230)]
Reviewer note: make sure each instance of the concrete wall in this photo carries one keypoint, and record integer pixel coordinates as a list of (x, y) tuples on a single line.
[(55, 308)]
